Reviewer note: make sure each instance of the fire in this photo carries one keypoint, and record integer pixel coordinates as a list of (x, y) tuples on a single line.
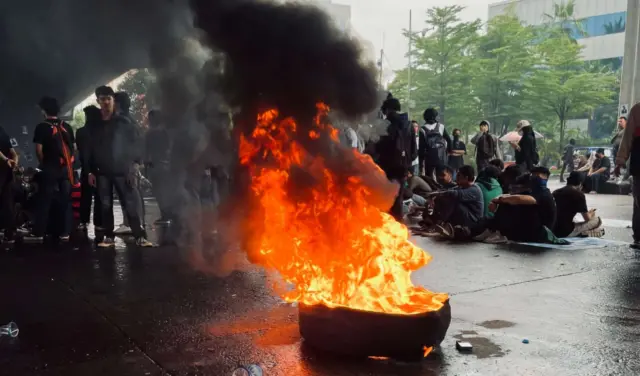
[(325, 232)]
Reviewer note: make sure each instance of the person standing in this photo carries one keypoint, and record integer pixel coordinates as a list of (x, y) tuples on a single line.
[(8, 162), (458, 150), (54, 141), (396, 150), (526, 149), (158, 161), (567, 159), (88, 194), (418, 164), (437, 142), (630, 151), (114, 151), (487, 146), (617, 138)]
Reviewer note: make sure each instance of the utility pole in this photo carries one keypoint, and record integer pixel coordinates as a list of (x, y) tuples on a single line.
[(409, 56), (381, 78)]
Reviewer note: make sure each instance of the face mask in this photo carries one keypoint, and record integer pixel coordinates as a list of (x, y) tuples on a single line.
[(538, 182)]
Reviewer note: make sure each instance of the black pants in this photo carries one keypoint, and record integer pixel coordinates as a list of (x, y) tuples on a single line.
[(397, 208), (89, 196), (7, 206), (128, 196), (160, 180), (482, 163), (568, 166), (53, 186)]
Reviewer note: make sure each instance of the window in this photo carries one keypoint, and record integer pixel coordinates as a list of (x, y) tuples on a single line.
[(595, 26)]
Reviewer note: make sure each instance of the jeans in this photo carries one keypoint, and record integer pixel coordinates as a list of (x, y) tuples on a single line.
[(53, 187), (7, 208), (128, 196), (89, 196), (636, 208), (596, 181)]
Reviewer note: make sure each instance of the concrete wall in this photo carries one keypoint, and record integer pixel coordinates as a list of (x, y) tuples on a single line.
[(630, 84)]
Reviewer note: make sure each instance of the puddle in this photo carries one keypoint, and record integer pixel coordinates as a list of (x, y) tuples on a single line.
[(496, 324), (483, 348)]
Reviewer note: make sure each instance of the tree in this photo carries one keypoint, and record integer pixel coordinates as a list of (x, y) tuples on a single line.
[(504, 60), (562, 85), (442, 61), (139, 84)]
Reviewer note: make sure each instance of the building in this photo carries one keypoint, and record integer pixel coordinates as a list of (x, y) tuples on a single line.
[(601, 30)]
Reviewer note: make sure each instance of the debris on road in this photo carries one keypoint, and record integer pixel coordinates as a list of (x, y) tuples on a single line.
[(464, 346)]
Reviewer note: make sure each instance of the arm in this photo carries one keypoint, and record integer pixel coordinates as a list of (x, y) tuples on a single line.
[(475, 138), (515, 200), (39, 152), (463, 195), (498, 148), (627, 138), (589, 215), (447, 138)]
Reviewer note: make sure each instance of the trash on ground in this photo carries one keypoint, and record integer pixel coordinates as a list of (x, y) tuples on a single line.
[(10, 330), (525, 341), (464, 346)]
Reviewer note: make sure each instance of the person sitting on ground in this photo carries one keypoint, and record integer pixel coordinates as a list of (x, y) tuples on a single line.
[(462, 206), (525, 217), (490, 187), (419, 187), (600, 171), (444, 178), (497, 163), (508, 177), (570, 201)]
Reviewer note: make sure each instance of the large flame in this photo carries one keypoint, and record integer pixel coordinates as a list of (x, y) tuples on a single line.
[(330, 237)]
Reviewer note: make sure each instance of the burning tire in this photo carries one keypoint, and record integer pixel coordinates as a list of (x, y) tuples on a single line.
[(362, 334)]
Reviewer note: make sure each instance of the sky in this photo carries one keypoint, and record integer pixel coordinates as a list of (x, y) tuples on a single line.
[(372, 19)]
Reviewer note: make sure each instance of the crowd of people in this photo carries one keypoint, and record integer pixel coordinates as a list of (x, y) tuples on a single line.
[(495, 205), (104, 157), (449, 199)]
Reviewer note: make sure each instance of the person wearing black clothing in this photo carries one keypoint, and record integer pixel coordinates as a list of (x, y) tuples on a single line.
[(421, 140), (567, 159), (89, 195), (526, 149), (570, 200), (115, 147), (524, 217), (8, 162), (123, 108), (54, 141), (437, 143), (158, 161), (457, 152), (600, 171), (487, 146), (396, 150)]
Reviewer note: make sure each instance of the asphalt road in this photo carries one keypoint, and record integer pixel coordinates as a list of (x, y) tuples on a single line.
[(148, 312)]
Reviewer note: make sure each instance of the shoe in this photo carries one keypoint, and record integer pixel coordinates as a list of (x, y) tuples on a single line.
[(122, 230), (107, 243), (445, 230), (23, 231), (64, 238), (33, 239), (635, 245), (484, 236), (82, 227), (496, 238), (430, 232), (144, 243), (162, 221)]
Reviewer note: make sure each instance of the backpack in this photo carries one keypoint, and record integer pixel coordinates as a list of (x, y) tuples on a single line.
[(402, 139), (435, 145)]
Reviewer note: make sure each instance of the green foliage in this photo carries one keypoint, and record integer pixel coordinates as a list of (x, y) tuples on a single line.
[(139, 84), (510, 72), (78, 119)]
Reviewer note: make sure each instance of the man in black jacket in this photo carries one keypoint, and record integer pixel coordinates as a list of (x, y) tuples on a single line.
[(396, 150), (114, 149), (89, 193)]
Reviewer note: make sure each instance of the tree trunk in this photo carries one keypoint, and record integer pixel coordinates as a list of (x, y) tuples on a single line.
[(562, 125)]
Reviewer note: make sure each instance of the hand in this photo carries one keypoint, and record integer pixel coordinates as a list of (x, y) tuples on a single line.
[(616, 171), (11, 163), (92, 180), (493, 207)]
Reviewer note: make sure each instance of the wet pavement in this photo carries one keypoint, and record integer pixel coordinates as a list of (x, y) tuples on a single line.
[(148, 312)]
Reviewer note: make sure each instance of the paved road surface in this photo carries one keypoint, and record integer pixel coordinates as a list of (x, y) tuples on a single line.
[(132, 312)]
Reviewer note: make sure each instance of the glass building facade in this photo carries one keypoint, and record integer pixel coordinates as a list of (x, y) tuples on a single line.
[(596, 26)]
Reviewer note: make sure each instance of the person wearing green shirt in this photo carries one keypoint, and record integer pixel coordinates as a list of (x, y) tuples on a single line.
[(490, 187)]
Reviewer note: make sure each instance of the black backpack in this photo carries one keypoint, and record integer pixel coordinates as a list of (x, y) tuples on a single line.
[(435, 145)]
